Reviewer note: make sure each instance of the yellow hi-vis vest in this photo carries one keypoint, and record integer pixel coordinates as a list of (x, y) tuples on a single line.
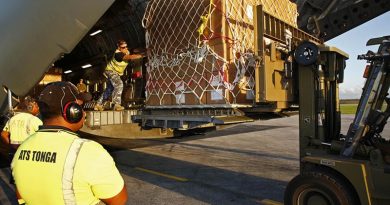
[(55, 166), (117, 66), (21, 126)]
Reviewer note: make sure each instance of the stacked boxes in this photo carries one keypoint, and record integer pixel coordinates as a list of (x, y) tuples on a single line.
[(202, 52)]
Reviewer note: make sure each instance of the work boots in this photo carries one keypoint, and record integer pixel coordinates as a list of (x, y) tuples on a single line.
[(98, 107), (118, 107)]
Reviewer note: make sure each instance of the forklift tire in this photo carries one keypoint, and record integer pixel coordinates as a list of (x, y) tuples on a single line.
[(319, 187)]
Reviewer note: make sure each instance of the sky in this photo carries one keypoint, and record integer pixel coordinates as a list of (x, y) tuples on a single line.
[(354, 42)]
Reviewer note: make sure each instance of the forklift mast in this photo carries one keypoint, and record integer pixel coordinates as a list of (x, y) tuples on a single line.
[(370, 118), (321, 69), (335, 168)]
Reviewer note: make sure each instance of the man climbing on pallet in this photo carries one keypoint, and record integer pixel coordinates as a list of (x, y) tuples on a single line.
[(114, 70)]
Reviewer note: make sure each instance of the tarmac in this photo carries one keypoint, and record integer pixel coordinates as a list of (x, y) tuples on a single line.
[(248, 163)]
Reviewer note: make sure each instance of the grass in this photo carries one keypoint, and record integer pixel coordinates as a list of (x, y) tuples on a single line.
[(348, 108)]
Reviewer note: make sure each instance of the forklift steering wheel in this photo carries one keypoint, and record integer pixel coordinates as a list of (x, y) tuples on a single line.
[(306, 53)]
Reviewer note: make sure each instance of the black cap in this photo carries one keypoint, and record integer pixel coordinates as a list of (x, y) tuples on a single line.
[(55, 95)]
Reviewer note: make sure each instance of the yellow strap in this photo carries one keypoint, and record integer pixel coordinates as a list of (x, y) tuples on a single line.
[(204, 20), (203, 25), (21, 201)]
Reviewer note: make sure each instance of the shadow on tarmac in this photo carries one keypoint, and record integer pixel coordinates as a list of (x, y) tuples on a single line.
[(7, 191), (207, 184), (113, 144)]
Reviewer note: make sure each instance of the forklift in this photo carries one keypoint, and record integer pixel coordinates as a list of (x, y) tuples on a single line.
[(341, 169)]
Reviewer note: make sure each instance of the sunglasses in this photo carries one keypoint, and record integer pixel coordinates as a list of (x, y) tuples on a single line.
[(123, 47)]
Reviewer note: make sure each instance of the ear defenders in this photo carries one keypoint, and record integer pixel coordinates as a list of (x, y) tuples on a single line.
[(72, 112), (28, 101), (30, 108)]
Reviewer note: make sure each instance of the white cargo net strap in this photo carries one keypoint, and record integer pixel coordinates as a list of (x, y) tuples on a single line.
[(182, 60), (68, 172)]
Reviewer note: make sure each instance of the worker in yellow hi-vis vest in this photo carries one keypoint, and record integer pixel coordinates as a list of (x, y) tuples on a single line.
[(55, 166), (23, 124), (114, 70)]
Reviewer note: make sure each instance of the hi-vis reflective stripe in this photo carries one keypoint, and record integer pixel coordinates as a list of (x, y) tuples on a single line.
[(67, 176)]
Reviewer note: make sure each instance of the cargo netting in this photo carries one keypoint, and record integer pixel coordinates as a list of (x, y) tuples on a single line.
[(202, 52)]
